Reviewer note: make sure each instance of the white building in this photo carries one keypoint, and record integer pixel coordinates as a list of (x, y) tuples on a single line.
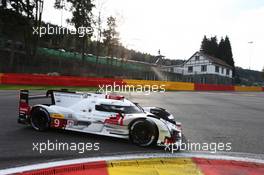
[(203, 68)]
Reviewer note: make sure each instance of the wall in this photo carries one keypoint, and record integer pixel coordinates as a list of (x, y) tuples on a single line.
[(44, 80), (248, 88), (173, 86), (212, 87)]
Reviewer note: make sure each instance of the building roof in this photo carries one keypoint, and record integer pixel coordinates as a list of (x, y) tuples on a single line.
[(216, 60), (212, 59)]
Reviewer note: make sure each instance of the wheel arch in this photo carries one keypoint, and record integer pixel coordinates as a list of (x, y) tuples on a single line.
[(43, 109), (162, 129), (134, 120), (149, 120)]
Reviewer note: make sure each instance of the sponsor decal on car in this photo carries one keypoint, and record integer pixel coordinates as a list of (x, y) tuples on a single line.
[(58, 116), (58, 123), (115, 120)]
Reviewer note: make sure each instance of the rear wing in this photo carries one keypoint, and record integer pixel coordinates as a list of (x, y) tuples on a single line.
[(24, 97), (24, 105)]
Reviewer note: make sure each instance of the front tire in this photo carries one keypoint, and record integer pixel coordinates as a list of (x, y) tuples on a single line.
[(143, 133), (39, 119)]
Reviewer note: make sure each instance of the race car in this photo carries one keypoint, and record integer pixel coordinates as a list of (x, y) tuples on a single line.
[(95, 113)]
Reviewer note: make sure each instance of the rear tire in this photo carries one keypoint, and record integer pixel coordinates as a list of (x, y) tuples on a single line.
[(39, 119), (143, 133)]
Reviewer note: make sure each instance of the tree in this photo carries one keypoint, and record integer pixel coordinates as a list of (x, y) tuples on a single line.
[(111, 35), (99, 30), (210, 46), (221, 50), (29, 14), (213, 47), (20, 6), (98, 37), (4, 3), (59, 4), (81, 18), (205, 45), (228, 55)]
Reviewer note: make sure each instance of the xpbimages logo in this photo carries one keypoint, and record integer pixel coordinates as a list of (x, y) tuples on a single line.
[(80, 147), (54, 30), (212, 147), (124, 88)]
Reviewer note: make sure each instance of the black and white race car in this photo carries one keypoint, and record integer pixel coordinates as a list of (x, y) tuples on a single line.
[(108, 115)]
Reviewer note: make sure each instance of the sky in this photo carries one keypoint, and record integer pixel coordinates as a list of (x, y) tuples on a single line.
[(177, 27)]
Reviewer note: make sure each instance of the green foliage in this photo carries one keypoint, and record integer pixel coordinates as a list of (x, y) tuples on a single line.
[(249, 77), (4, 4), (12, 24), (25, 7), (227, 54), (59, 4), (222, 50), (81, 17), (81, 12), (26, 14), (110, 35), (209, 46), (17, 20)]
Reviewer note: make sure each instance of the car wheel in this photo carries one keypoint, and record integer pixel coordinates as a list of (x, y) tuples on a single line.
[(39, 119), (143, 133)]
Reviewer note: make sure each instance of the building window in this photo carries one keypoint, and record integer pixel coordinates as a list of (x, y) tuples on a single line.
[(197, 58), (223, 69), (190, 69), (217, 69), (204, 68), (227, 71)]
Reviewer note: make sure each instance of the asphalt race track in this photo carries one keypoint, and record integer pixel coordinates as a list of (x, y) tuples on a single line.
[(236, 117)]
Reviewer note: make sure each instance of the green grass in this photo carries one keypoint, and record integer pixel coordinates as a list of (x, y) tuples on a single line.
[(27, 87)]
